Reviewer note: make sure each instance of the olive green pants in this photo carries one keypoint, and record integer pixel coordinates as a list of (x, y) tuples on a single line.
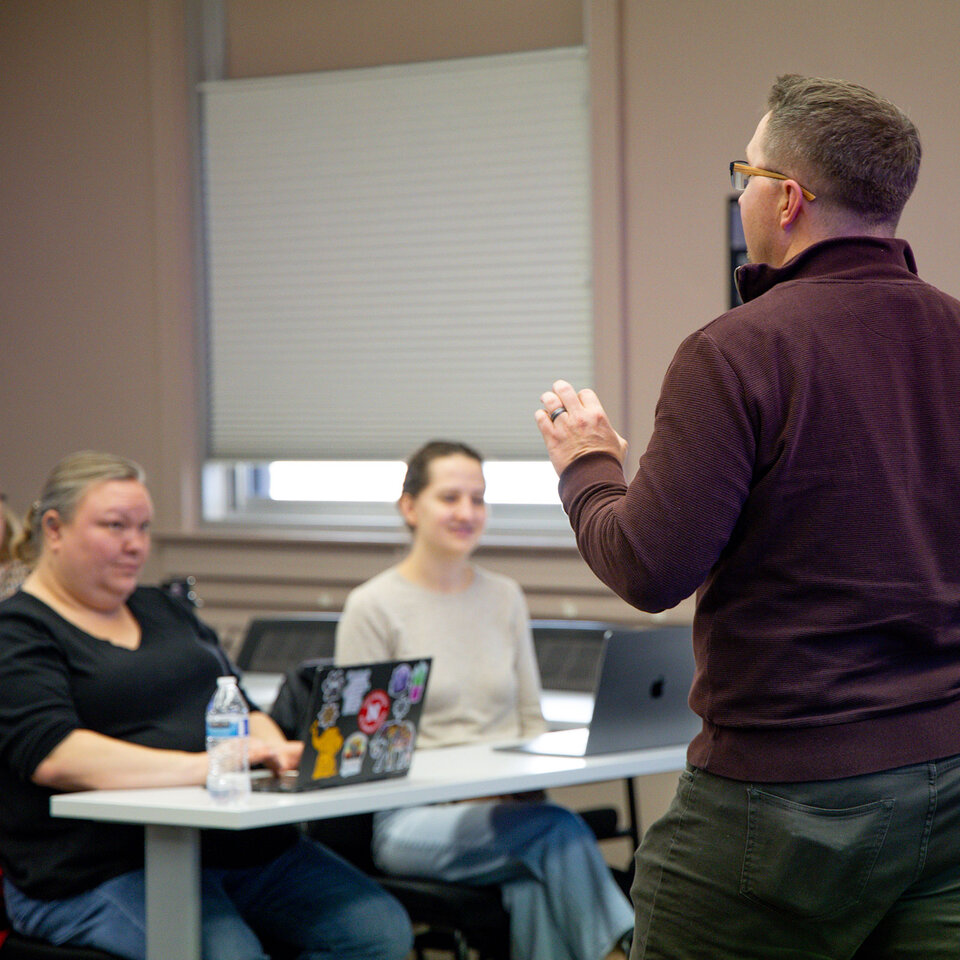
[(866, 868)]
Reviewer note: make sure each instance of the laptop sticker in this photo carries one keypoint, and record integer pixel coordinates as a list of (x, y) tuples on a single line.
[(355, 687), (392, 747), (354, 750), (327, 745)]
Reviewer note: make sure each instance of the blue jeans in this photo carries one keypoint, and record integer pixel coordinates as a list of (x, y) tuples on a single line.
[(307, 899), (864, 868), (556, 886)]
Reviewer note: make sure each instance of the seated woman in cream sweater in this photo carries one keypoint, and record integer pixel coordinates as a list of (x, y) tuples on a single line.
[(484, 685)]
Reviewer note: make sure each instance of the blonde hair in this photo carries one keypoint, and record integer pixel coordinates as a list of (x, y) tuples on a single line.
[(64, 489), (11, 529)]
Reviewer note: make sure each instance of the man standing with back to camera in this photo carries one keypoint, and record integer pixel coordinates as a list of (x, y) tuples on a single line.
[(804, 473)]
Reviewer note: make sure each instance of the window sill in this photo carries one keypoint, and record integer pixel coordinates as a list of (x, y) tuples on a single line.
[(256, 532)]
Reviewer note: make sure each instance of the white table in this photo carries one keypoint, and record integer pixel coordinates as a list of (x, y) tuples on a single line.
[(173, 816)]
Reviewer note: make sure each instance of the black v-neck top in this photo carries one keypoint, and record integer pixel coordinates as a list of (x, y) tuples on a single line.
[(56, 678)]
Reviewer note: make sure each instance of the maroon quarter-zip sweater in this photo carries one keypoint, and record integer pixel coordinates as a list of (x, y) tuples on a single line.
[(804, 478)]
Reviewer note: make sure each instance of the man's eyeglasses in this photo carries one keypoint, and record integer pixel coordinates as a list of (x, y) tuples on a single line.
[(741, 172)]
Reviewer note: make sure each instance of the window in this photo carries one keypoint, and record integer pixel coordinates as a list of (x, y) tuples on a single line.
[(394, 254), (357, 499)]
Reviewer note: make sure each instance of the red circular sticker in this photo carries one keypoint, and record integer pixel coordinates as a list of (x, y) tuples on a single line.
[(374, 711)]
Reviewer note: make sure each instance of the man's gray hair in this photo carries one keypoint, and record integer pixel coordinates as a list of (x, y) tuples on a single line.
[(847, 145)]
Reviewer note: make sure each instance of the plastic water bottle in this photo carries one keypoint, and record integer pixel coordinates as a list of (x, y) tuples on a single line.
[(228, 722)]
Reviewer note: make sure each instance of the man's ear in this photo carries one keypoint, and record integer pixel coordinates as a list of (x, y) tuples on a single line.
[(791, 203)]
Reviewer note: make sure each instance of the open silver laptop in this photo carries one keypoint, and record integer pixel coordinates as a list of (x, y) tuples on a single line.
[(640, 697)]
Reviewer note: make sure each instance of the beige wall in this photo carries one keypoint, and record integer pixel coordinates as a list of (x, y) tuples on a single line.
[(100, 341), (96, 282), (77, 250), (270, 37), (101, 344), (697, 74)]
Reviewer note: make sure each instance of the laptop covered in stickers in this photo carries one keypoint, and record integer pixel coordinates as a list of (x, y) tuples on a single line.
[(360, 723)]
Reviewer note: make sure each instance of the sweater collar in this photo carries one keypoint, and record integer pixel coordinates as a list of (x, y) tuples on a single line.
[(852, 256)]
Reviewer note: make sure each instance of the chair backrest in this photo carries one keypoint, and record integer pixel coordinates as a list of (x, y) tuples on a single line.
[(277, 644), (569, 652), (349, 836), (183, 589), (290, 707), (4, 921)]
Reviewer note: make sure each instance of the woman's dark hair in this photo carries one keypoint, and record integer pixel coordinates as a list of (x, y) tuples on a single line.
[(418, 466)]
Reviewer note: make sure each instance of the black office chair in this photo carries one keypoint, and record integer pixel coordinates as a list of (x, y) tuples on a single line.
[(183, 588), (454, 917), (568, 656), (569, 652), (277, 644), (17, 947), (447, 916), (460, 918)]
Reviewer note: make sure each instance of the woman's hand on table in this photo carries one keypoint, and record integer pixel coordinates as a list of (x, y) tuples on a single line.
[(276, 756)]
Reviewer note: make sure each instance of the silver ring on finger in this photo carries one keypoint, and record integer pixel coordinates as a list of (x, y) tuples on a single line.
[(556, 413)]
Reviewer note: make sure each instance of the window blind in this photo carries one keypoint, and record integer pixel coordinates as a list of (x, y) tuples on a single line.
[(396, 254)]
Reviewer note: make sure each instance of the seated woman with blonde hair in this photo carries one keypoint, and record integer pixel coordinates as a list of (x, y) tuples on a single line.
[(484, 685), (104, 685)]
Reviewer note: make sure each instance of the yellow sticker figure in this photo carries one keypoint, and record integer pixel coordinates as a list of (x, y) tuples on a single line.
[(327, 745)]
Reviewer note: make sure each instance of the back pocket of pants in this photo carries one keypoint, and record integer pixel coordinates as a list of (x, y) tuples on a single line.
[(810, 862)]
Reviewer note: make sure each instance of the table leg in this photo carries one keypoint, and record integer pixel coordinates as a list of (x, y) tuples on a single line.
[(634, 810), (173, 892)]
